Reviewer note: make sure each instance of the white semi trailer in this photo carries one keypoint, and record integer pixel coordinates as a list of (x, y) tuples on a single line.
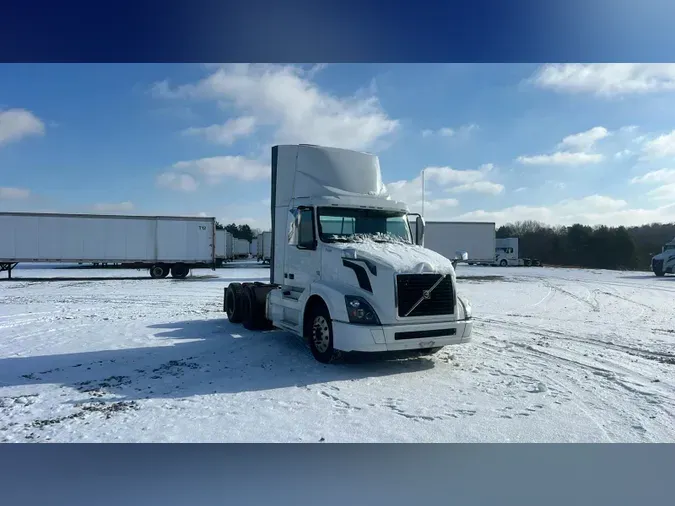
[(448, 238), (346, 273), (162, 244), (224, 247), (664, 262), (241, 248), (264, 247)]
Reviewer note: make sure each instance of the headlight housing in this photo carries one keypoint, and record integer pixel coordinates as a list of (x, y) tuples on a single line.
[(360, 311)]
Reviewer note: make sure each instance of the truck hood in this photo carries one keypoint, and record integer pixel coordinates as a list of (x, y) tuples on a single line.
[(400, 257)]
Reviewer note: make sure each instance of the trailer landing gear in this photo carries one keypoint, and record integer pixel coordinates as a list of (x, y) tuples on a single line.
[(8, 266)]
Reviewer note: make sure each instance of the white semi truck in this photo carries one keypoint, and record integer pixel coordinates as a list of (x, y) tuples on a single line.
[(161, 244), (506, 254), (664, 262), (346, 272)]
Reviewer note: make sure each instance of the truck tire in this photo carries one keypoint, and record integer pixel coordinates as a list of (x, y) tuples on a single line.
[(159, 271), (233, 300), (503, 263), (253, 314), (179, 271), (320, 335)]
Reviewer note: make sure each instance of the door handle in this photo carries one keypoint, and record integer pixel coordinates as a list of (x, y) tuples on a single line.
[(291, 276)]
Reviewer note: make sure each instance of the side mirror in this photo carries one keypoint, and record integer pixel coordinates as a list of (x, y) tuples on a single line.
[(419, 230), (461, 255)]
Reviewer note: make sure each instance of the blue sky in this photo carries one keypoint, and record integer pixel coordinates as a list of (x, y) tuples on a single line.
[(592, 143)]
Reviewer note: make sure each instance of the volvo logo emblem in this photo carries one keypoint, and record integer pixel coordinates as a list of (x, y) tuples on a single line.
[(426, 294)]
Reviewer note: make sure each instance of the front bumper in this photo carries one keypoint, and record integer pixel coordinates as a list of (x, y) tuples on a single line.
[(349, 337)]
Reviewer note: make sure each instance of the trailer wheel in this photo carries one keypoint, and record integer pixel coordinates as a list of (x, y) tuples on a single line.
[(233, 296), (159, 271), (503, 263), (321, 334), (179, 271)]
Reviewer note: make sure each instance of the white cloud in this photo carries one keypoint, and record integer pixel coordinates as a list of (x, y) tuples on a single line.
[(521, 189), (662, 146), (450, 132), (665, 192), (227, 133), (15, 124), (562, 158), (479, 187), (487, 167), (606, 79), (626, 153), (447, 175), (9, 193), (656, 176), (285, 97), (216, 168), (120, 207), (592, 210), (584, 141), (177, 181), (440, 204)]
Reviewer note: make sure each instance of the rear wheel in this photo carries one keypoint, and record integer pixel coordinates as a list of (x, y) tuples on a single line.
[(233, 301), (321, 335), (159, 271), (179, 271), (254, 310)]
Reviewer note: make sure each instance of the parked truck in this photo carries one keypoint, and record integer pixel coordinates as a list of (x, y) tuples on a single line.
[(506, 254), (450, 237), (264, 240), (161, 244), (664, 262), (346, 272)]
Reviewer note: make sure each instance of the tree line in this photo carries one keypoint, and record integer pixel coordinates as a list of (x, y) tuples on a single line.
[(239, 231), (599, 247)]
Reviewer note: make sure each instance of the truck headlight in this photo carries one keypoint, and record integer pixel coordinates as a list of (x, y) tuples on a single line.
[(466, 308), (360, 312)]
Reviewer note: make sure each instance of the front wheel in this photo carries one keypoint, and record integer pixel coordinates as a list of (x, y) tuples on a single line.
[(503, 263), (321, 336)]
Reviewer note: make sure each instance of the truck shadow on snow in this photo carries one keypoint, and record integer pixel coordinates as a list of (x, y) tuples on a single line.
[(199, 357)]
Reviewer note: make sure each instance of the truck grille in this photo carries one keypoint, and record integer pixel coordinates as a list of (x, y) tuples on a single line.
[(412, 288)]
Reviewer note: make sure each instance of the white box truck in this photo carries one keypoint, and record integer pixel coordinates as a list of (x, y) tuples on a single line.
[(253, 248), (346, 272), (664, 262), (449, 238), (162, 244), (264, 247)]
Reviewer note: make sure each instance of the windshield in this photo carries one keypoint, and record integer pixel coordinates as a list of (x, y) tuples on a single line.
[(351, 225), (668, 247)]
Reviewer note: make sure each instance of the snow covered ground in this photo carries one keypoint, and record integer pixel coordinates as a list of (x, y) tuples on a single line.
[(559, 355)]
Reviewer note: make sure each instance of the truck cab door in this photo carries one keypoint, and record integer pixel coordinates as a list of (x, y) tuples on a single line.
[(302, 265)]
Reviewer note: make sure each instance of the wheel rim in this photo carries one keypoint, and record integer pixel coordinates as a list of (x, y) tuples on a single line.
[(158, 271), (321, 334)]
